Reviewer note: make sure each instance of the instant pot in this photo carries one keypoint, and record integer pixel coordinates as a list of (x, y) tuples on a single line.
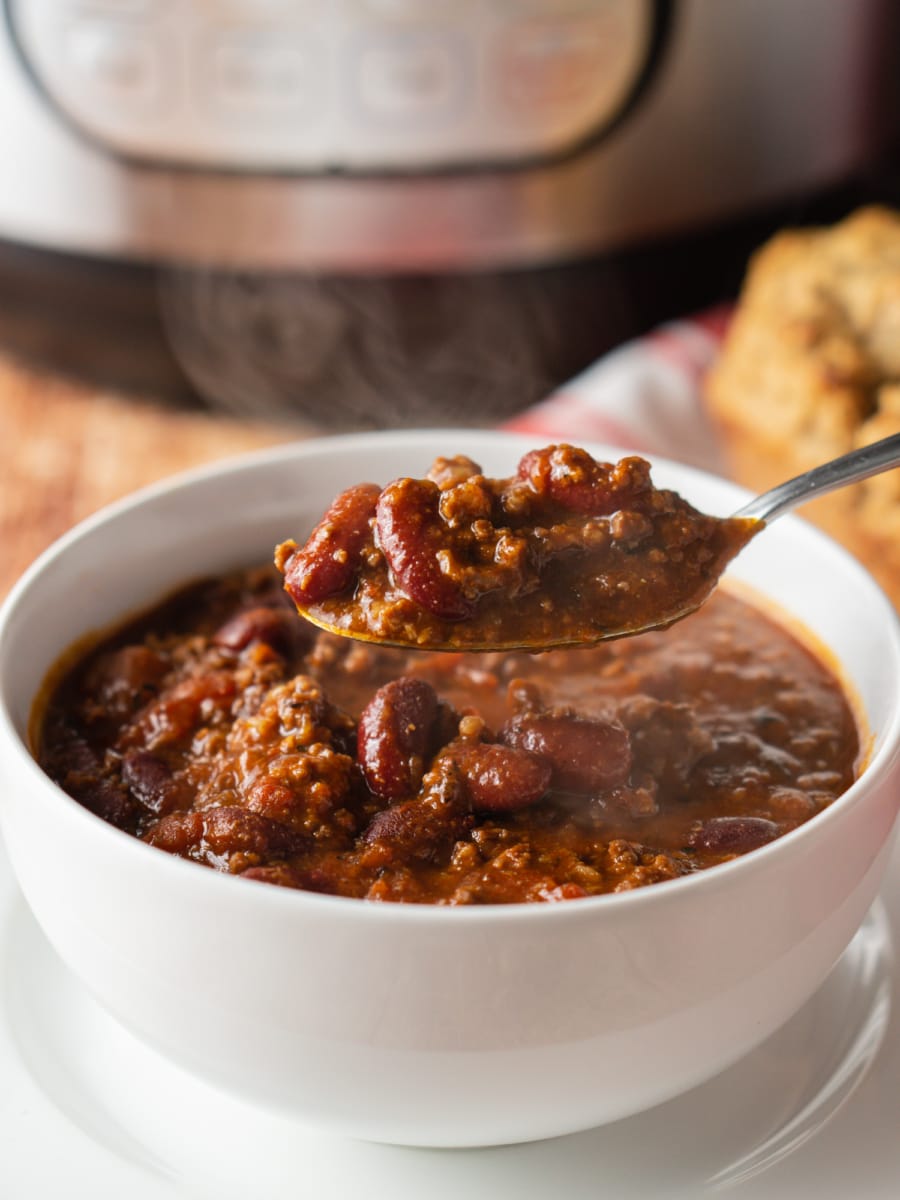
[(360, 193)]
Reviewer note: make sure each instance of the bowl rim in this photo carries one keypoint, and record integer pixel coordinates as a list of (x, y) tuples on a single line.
[(53, 797)]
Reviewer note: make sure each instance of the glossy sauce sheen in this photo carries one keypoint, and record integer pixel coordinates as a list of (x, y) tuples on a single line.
[(223, 728), (567, 551)]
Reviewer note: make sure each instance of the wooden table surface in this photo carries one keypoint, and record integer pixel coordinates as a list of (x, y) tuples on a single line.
[(67, 449)]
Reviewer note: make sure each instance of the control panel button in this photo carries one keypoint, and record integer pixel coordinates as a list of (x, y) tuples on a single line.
[(250, 74), (420, 76), (115, 59), (554, 61)]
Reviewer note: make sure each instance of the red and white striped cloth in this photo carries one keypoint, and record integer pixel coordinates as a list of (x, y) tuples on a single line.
[(645, 395)]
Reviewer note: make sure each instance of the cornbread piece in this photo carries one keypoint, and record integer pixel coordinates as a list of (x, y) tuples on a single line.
[(811, 369)]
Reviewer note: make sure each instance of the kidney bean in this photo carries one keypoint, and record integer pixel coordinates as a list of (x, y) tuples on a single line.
[(109, 801), (571, 478), (499, 779), (212, 834), (178, 833), (174, 716), (329, 561), (81, 773), (278, 627), (125, 678), (425, 827), (151, 781), (281, 874), (228, 830), (587, 754), (273, 799), (567, 477), (410, 533), (734, 835), (393, 737)]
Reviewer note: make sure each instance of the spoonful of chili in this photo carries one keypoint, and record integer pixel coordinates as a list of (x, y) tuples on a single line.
[(569, 551)]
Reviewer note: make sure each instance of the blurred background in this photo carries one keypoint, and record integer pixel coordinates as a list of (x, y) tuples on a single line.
[(317, 216), (384, 212)]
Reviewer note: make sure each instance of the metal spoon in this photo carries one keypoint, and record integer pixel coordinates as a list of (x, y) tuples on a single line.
[(524, 625), (849, 468)]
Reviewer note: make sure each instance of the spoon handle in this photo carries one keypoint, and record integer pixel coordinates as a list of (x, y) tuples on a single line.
[(849, 468)]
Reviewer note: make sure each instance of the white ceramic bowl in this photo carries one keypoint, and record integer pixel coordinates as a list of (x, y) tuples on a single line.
[(432, 1026)]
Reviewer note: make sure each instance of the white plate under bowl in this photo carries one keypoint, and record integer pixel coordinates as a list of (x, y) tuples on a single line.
[(88, 1110)]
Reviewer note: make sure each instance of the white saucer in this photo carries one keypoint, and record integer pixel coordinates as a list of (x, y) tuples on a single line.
[(85, 1109)]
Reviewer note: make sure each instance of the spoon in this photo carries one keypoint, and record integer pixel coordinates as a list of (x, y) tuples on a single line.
[(840, 472), (581, 600)]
